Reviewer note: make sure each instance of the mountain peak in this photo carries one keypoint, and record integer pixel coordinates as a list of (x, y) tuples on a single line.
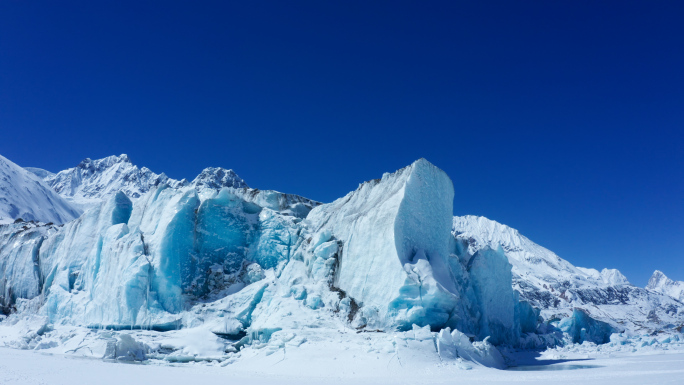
[(658, 278), (94, 180), (660, 283), (99, 164), (218, 177)]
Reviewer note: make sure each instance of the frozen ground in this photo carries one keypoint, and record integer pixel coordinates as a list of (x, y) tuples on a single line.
[(30, 367)]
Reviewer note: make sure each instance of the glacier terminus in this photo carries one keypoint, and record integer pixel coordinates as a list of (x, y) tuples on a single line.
[(112, 261)]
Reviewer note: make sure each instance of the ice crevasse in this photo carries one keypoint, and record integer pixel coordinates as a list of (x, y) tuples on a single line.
[(241, 261)]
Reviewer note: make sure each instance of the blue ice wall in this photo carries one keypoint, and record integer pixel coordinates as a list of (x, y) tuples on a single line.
[(176, 248), (19, 264), (491, 278), (581, 327)]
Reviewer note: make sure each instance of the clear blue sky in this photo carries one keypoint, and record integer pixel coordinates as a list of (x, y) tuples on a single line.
[(563, 119)]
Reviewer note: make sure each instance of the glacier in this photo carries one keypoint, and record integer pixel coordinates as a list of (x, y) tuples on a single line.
[(246, 262), (156, 265)]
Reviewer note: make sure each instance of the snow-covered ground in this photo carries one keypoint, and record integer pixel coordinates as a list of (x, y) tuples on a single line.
[(18, 367)]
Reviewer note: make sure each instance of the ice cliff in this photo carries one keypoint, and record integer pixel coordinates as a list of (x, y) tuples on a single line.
[(240, 260)]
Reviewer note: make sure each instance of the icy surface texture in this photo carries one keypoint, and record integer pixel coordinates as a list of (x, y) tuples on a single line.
[(20, 275), (490, 274), (141, 265), (246, 263), (125, 348), (24, 195), (394, 231), (456, 344), (555, 286), (660, 283), (398, 265)]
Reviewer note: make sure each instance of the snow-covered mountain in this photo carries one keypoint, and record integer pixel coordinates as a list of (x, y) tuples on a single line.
[(218, 177), (94, 181), (662, 284), (24, 195), (557, 287)]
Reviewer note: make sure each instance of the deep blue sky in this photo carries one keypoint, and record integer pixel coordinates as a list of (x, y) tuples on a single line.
[(563, 119)]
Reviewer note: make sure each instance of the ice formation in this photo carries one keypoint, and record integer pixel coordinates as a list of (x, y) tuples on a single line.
[(581, 327), (197, 271), (241, 261)]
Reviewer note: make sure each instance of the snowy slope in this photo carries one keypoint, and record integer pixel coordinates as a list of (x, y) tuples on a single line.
[(664, 285), (39, 172), (24, 195), (554, 285)]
